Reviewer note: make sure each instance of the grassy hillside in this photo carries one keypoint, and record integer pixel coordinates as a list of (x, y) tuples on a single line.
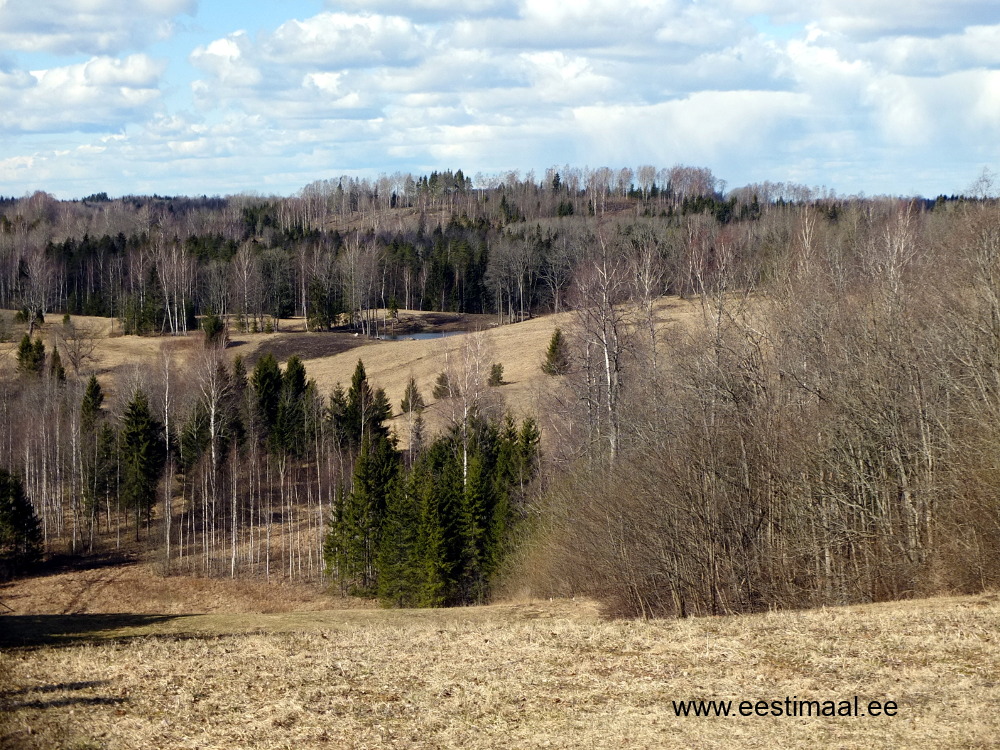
[(520, 674), (330, 357)]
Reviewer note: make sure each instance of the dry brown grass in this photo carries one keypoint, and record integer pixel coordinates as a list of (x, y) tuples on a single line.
[(515, 675), (137, 589)]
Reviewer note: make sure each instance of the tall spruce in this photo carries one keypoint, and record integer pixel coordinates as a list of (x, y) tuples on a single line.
[(142, 455), (354, 542), (398, 564), (366, 409), (90, 406), (20, 535), (290, 418), (56, 370), (266, 381)]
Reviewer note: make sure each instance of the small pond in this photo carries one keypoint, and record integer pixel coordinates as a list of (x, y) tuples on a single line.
[(422, 336)]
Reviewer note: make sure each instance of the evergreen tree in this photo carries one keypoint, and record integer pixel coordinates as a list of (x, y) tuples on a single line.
[(100, 469), (195, 437), (142, 455), (337, 415), (20, 535), (432, 567), (557, 356), (398, 565), (290, 420), (56, 369), (365, 409), (496, 375), (443, 388), (215, 330), (355, 539), (30, 356), (266, 381), (90, 406), (412, 400), (96, 464)]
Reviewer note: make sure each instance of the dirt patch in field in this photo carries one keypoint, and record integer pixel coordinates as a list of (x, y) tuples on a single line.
[(304, 345)]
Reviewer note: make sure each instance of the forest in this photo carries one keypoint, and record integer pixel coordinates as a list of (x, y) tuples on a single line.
[(820, 429)]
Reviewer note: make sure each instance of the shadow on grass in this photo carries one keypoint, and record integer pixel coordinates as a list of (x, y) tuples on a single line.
[(74, 700), (35, 631)]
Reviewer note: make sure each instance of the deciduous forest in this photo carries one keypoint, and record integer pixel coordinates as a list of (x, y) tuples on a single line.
[(821, 427)]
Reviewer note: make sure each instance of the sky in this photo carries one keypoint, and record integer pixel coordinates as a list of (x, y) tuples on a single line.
[(217, 97)]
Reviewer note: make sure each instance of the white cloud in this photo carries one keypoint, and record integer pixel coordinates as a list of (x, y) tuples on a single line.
[(974, 46), (102, 93), (225, 61), (866, 20), (91, 27), (431, 9), (339, 40)]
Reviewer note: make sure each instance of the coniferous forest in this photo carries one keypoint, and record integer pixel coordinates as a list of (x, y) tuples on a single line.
[(820, 428)]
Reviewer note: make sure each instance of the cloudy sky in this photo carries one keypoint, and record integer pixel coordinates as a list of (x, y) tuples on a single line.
[(215, 97)]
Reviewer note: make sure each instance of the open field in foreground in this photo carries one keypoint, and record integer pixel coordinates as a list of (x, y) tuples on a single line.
[(531, 674)]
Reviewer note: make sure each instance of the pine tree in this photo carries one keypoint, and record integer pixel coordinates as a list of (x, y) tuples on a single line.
[(557, 356), (142, 454), (20, 535)]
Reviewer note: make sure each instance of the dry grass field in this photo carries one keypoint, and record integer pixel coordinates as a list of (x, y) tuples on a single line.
[(330, 358), (517, 674)]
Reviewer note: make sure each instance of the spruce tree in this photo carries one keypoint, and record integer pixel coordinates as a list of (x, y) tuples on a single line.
[(443, 388), (90, 406), (94, 482), (398, 564), (496, 375), (142, 455), (30, 356), (266, 381), (20, 535), (336, 414), (365, 409), (412, 400), (557, 356), (354, 541), (56, 369), (290, 419), (432, 567)]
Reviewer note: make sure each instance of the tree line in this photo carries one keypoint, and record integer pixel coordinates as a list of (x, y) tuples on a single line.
[(342, 248)]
